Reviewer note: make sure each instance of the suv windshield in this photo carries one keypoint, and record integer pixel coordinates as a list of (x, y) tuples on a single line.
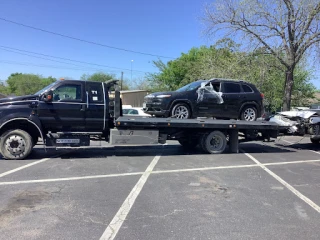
[(190, 86), (46, 88)]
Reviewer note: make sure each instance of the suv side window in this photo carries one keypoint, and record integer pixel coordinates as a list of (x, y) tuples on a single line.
[(67, 93), (231, 88), (247, 88), (95, 92)]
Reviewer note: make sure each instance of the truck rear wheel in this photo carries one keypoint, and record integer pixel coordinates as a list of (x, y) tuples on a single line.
[(214, 142), (16, 144)]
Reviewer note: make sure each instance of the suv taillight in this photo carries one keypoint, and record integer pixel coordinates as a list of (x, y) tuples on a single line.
[(262, 95)]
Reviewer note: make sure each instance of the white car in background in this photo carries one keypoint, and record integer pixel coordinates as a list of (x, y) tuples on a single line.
[(128, 110)]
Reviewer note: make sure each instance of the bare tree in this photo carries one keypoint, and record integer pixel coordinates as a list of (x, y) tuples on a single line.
[(287, 29)]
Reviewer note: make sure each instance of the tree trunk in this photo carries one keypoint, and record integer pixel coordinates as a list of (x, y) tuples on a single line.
[(288, 86)]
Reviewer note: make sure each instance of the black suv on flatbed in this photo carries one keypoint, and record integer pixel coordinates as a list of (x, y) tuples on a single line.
[(218, 98)]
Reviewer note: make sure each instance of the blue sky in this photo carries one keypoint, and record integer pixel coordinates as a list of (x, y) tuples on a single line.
[(160, 27)]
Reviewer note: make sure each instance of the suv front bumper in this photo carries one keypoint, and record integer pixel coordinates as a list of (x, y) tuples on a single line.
[(157, 108)]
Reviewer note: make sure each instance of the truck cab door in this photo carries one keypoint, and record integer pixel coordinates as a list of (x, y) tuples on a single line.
[(95, 113), (66, 111)]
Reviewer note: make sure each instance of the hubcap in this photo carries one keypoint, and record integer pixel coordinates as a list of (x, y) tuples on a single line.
[(15, 145), (216, 143), (249, 114), (181, 112)]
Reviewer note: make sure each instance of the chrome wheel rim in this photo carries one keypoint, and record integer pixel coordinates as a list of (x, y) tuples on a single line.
[(216, 143), (249, 114), (15, 145), (181, 112)]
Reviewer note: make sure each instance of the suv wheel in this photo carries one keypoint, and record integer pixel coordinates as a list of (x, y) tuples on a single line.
[(249, 113), (181, 110)]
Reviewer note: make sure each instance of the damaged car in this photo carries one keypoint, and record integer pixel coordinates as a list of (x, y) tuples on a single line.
[(216, 98), (298, 122)]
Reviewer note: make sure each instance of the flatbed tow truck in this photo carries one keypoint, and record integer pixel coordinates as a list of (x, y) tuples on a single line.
[(72, 114)]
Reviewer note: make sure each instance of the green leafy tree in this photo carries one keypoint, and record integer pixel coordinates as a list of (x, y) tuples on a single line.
[(286, 29), (225, 60), (98, 77), (25, 84), (103, 77)]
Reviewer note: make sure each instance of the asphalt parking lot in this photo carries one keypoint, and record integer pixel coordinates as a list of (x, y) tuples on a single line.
[(268, 191)]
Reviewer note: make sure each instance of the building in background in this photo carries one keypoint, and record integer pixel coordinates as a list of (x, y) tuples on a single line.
[(132, 97)]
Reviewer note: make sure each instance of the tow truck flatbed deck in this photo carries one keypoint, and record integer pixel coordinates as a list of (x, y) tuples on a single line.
[(138, 122)]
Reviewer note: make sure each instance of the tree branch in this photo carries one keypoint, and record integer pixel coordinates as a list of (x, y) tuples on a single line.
[(312, 40), (308, 24), (291, 27), (245, 28)]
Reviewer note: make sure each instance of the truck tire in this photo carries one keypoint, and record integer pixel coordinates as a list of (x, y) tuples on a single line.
[(214, 142), (16, 144)]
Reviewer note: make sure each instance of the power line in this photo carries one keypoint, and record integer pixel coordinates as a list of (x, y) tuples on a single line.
[(47, 66), (41, 57), (82, 40), (67, 59)]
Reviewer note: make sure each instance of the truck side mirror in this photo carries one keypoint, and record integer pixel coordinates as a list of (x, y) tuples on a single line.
[(48, 96)]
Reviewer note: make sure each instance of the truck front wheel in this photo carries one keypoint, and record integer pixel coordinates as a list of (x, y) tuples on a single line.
[(16, 144)]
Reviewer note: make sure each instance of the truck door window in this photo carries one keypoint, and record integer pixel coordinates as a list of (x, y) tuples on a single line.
[(67, 93), (95, 93)]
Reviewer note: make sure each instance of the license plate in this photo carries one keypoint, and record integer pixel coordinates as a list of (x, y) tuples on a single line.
[(68, 141)]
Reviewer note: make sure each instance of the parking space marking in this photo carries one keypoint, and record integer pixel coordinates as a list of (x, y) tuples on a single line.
[(23, 167), (291, 162), (204, 168), (152, 172), (71, 178), (117, 221), (283, 182)]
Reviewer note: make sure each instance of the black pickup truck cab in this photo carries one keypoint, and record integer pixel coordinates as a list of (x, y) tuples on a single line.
[(73, 113), (66, 106)]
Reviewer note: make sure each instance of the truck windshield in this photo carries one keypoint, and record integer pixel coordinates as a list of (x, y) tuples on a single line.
[(45, 88), (190, 86)]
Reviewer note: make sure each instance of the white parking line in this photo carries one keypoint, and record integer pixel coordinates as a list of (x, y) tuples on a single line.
[(117, 221), (23, 167), (70, 178), (152, 172), (291, 162), (204, 168), (287, 185)]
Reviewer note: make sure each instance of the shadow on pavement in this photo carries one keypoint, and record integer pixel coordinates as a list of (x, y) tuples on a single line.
[(302, 146), (167, 150)]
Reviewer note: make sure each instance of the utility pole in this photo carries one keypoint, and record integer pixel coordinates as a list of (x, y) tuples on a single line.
[(121, 80), (131, 69)]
